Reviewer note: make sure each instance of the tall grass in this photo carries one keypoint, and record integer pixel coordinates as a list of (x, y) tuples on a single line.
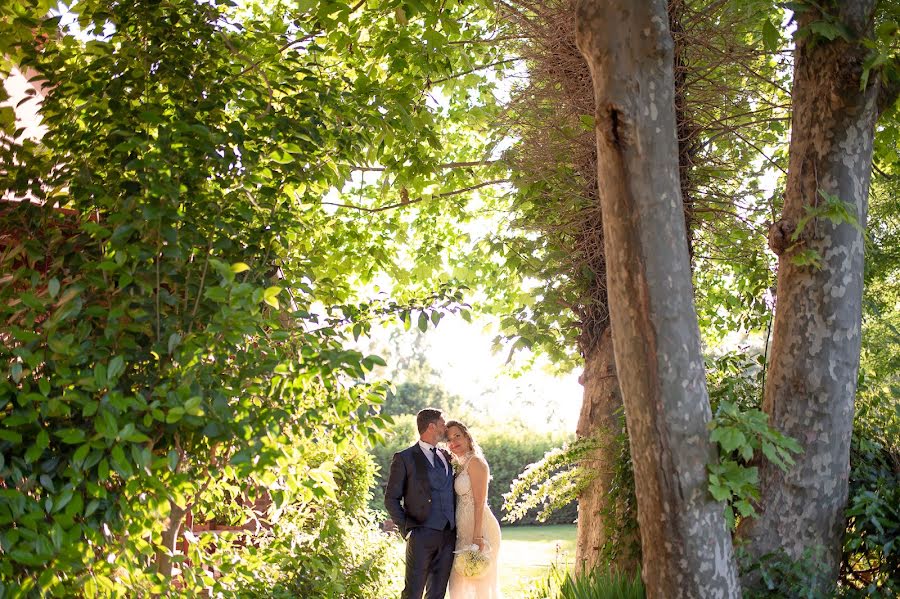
[(600, 583)]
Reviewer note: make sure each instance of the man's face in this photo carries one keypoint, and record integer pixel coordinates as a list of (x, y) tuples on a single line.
[(440, 429)]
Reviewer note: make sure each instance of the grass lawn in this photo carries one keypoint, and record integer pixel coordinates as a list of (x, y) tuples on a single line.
[(528, 551)]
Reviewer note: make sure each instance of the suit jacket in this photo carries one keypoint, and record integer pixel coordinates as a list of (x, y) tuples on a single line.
[(407, 497)]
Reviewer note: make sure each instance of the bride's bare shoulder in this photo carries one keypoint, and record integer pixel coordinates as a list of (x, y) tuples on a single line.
[(480, 463)]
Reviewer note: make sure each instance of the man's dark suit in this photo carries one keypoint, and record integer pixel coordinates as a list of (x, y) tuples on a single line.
[(409, 498)]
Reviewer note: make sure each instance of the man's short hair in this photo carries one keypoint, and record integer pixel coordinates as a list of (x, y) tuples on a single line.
[(426, 417)]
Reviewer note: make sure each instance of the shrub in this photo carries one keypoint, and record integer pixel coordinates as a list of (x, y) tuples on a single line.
[(599, 583), (780, 576), (331, 547), (870, 565), (510, 452), (870, 561)]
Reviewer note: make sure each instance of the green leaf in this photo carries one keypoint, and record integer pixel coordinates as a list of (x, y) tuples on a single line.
[(116, 368), (731, 439), (15, 372), (79, 455), (771, 37), (33, 453), (7, 118), (745, 508), (173, 460), (827, 30), (270, 296), (239, 267), (103, 469), (746, 451), (71, 436), (216, 294), (174, 415), (10, 436), (174, 340), (376, 360), (807, 257), (719, 492)]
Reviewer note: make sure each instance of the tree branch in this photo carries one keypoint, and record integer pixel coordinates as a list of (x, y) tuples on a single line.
[(881, 172), (473, 70), (489, 40), (419, 199), (447, 165)]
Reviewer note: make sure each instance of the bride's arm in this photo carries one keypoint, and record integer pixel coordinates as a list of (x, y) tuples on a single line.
[(478, 474)]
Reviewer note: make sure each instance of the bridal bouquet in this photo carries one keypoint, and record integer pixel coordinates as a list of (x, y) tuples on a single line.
[(472, 563)]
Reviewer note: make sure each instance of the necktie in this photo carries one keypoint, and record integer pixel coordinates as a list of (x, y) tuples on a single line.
[(435, 461)]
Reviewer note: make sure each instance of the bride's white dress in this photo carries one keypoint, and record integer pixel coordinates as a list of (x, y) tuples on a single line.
[(488, 586)]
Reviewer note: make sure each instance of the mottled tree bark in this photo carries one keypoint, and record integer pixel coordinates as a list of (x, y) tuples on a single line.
[(687, 549), (599, 515), (814, 358)]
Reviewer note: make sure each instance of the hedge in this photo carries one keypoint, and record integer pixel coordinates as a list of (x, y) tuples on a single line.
[(508, 449)]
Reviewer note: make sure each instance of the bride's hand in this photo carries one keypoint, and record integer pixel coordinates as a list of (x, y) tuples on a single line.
[(481, 544)]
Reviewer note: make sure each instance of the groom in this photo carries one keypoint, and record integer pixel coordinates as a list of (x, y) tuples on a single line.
[(419, 497)]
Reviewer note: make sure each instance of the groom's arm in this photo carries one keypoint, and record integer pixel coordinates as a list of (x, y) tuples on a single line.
[(393, 494)]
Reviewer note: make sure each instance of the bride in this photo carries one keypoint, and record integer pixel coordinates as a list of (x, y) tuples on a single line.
[(475, 524)]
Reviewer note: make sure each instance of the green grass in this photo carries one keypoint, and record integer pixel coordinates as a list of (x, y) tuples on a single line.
[(526, 552)]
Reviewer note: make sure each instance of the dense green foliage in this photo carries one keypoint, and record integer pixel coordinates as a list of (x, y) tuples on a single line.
[(742, 433), (869, 563), (321, 548), (175, 333)]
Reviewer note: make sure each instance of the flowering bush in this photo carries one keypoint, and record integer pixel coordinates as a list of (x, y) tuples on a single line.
[(471, 562)]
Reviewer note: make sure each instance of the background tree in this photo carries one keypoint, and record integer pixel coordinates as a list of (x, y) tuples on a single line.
[(180, 291)]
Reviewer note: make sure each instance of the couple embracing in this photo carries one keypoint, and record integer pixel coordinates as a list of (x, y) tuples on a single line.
[(438, 499)]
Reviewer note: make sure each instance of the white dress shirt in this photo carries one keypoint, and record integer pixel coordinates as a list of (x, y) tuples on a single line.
[(426, 449)]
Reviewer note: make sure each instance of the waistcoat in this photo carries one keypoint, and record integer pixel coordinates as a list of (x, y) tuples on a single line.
[(442, 497)]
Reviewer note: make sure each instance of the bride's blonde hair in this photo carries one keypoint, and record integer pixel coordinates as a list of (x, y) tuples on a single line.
[(473, 445)]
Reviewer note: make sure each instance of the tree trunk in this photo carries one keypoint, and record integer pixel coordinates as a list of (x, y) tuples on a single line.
[(164, 564), (600, 507), (687, 549), (814, 359)]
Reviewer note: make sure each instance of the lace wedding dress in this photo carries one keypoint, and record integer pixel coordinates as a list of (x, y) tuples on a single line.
[(488, 586)]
